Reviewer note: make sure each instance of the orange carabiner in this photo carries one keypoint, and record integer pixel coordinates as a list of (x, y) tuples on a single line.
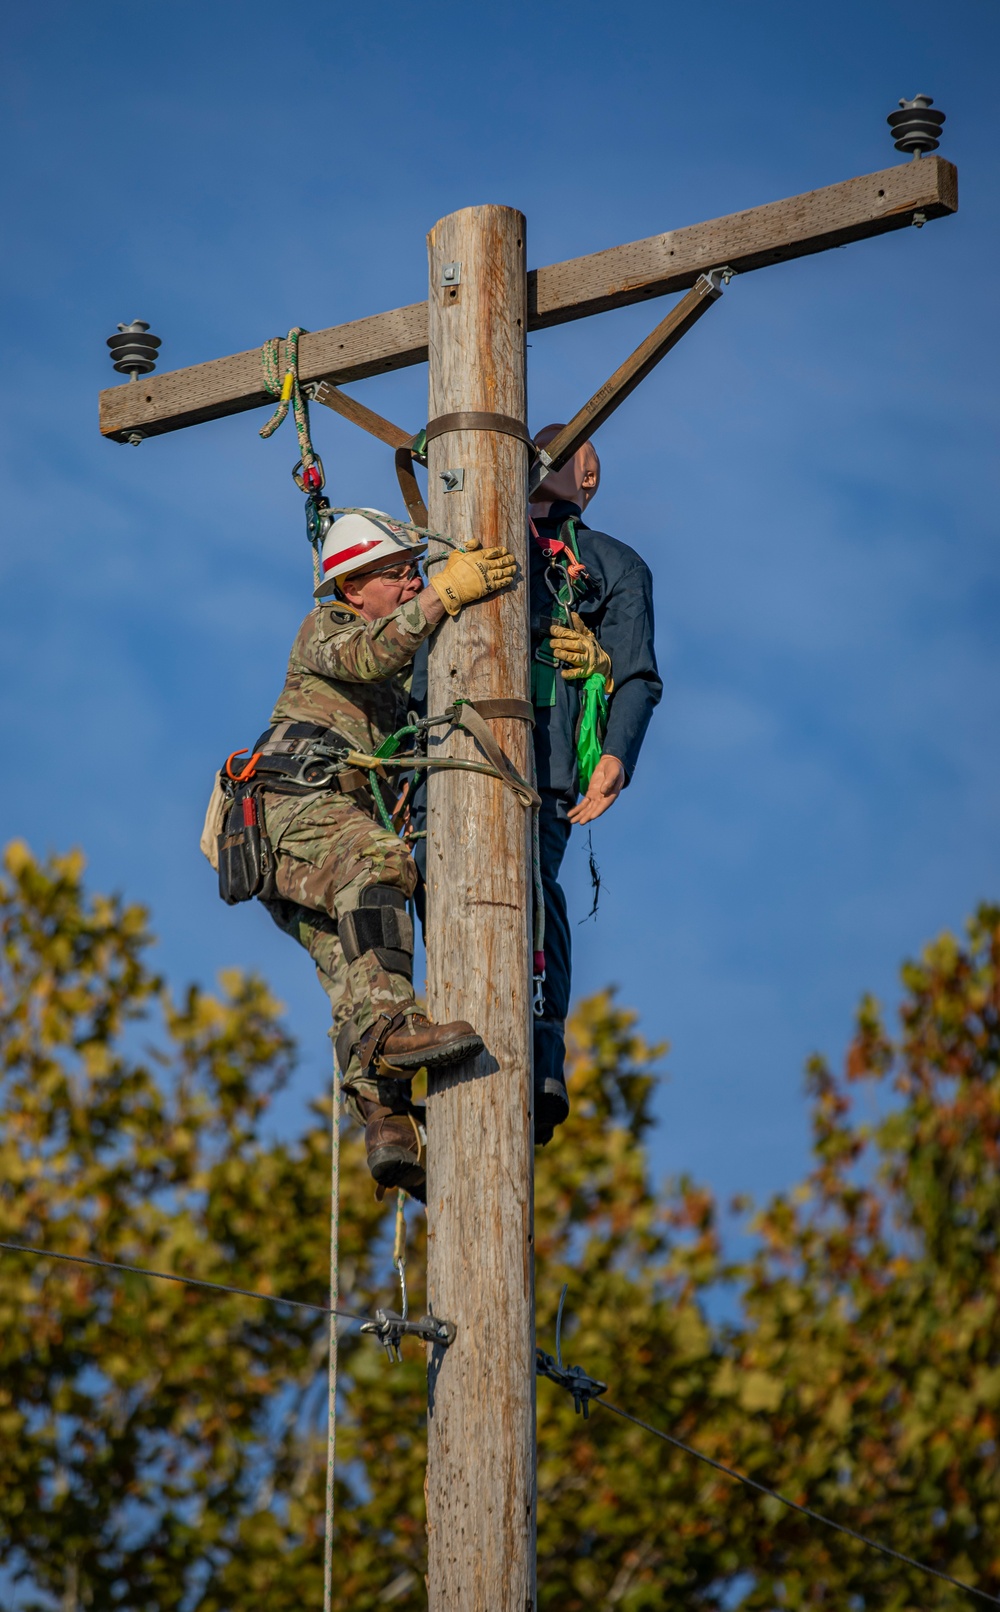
[(248, 770)]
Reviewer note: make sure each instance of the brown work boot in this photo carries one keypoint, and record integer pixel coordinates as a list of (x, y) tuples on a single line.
[(395, 1147), (410, 1042)]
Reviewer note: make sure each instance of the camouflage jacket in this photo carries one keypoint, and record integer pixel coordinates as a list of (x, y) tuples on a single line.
[(351, 674)]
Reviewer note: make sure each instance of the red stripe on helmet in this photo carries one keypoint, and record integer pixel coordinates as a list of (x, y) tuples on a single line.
[(349, 553)]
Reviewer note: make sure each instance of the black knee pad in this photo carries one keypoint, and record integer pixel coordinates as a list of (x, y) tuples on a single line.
[(381, 924)]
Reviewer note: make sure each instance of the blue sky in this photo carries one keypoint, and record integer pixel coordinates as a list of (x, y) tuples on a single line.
[(809, 475)]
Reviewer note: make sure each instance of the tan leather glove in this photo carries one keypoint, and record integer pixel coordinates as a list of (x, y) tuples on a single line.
[(583, 655), (471, 575)]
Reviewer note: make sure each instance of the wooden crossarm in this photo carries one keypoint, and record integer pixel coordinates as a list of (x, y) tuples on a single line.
[(753, 239)]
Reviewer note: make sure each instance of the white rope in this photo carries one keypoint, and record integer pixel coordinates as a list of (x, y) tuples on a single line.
[(331, 1399)]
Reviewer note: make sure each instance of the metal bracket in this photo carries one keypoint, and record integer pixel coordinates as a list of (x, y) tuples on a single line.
[(390, 1329), (717, 278), (574, 1379), (454, 480), (451, 274)]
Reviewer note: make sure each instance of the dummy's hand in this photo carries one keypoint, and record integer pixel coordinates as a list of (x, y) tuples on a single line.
[(471, 575), (605, 786), (582, 655)]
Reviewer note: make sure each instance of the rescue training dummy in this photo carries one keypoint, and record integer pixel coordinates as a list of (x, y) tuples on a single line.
[(594, 686), (591, 613), (336, 880)]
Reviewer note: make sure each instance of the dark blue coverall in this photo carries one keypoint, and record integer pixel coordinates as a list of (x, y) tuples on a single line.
[(617, 606)]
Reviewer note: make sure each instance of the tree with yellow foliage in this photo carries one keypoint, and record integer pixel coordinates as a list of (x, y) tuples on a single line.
[(163, 1447)]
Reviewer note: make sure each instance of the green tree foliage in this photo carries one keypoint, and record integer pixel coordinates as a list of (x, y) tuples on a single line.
[(163, 1448)]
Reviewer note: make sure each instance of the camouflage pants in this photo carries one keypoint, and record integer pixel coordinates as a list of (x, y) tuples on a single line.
[(327, 851)]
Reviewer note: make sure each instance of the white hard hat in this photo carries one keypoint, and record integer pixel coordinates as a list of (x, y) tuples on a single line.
[(357, 541)]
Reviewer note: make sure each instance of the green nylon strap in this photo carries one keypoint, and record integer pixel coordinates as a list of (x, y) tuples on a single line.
[(543, 683), (386, 749), (569, 527), (593, 726)]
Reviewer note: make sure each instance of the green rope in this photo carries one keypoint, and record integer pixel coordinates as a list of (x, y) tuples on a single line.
[(287, 390)]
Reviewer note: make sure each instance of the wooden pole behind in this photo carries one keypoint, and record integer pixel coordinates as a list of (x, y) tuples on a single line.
[(480, 1268)]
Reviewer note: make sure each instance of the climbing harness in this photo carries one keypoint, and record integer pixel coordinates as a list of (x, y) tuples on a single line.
[(301, 758), (566, 579)]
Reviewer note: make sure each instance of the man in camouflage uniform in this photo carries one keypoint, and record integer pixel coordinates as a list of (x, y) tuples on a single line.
[(342, 881)]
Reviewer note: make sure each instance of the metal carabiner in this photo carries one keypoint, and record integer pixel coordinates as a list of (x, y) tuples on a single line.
[(538, 999), (248, 770), (312, 480)]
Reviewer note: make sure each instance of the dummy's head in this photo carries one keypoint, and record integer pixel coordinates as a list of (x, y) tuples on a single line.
[(576, 482)]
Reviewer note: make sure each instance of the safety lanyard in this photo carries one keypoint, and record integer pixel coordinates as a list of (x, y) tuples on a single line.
[(557, 553), (564, 558)]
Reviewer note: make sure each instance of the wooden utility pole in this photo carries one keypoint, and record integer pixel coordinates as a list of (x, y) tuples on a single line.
[(472, 330), (480, 1268)]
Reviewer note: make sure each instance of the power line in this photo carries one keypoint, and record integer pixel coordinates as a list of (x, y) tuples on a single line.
[(187, 1281), (668, 1438), (814, 1516)]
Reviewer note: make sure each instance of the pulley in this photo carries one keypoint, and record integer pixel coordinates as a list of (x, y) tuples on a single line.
[(318, 518), (916, 126)]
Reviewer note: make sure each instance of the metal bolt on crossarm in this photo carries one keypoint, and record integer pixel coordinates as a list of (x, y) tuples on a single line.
[(915, 127)]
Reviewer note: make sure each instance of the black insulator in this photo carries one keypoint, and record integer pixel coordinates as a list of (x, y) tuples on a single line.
[(915, 127), (133, 350)]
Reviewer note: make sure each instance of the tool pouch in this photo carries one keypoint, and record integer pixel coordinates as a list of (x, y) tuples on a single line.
[(246, 860)]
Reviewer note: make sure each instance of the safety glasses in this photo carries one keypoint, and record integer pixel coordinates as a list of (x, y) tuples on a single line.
[(391, 573)]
